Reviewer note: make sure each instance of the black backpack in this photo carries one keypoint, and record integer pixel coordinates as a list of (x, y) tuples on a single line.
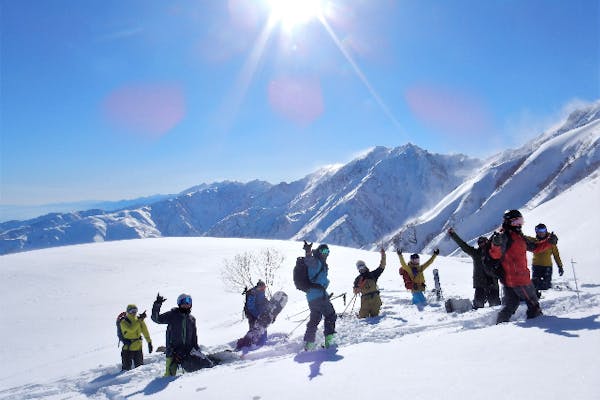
[(301, 280), (122, 317)]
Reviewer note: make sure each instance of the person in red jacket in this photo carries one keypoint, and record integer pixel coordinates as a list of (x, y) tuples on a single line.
[(510, 246)]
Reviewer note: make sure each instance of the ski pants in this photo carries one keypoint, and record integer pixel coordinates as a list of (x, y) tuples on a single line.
[(541, 277), (490, 294), (418, 298), (320, 308), (513, 297), (128, 357), (370, 304)]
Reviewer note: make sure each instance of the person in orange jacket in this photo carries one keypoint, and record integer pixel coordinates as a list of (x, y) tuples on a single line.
[(510, 246)]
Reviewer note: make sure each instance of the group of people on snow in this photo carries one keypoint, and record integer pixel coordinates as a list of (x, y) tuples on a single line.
[(502, 257)]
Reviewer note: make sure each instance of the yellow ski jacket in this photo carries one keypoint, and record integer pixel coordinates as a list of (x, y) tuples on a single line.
[(133, 328)]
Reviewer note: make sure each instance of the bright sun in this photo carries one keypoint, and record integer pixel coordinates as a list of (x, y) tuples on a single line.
[(290, 13)]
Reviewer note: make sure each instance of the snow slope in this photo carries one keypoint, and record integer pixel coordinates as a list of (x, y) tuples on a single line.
[(59, 341)]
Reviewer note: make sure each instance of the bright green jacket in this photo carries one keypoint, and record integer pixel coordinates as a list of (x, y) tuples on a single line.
[(133, 328)]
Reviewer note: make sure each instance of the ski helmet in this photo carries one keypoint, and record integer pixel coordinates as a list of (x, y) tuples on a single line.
[(323, 250), (260, 283), (184, 299), (361, 266), (482, 240), (513, 218), (414, 257), (541, 228)]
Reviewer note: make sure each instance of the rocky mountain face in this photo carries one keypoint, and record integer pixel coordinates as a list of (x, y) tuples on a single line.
[(403, 196)]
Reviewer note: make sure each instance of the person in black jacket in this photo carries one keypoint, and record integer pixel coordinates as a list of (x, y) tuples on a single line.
[(366, 285), (181, 339), (484, 282)]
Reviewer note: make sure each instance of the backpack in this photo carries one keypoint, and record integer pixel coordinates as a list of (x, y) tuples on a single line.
[(122, 316), (301, 280), (492, 267), (408, 283)]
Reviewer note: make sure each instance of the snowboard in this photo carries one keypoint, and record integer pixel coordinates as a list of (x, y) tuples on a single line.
[(438, 287), (458, 305), (258, 332)]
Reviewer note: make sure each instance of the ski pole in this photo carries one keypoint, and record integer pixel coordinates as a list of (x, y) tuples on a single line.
[(352, 301), (298, 313), (575, 277), (298, 326)]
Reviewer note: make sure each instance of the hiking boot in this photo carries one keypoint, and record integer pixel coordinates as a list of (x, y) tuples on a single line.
[(308, 346), (330, 340)]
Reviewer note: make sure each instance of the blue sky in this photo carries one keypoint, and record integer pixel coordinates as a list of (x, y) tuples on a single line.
[(119, 99)]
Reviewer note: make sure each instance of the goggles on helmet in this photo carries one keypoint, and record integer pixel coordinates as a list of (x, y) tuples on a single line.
[(541, 230), (187, 300), (132, 311), (324, 251)]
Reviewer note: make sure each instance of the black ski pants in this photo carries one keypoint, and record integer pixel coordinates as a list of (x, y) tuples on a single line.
[(513, 297), (320, 308), (490, 294), (128, 357), (541, 277)]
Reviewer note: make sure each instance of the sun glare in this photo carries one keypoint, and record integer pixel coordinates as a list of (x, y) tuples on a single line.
[(290, 13)]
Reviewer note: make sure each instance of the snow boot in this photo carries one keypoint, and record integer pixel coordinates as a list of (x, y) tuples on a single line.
[(330, 341)]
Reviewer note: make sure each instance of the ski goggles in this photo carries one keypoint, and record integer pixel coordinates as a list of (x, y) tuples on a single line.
[(517, 221), (132, 311), (187, 301), (541, 230), (325, 251)]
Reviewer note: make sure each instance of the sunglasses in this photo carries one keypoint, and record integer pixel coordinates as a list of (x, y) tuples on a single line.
[(517, 221), (132, 311)]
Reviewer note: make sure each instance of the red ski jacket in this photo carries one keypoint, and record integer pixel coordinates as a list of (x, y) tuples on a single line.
[(513, 256)]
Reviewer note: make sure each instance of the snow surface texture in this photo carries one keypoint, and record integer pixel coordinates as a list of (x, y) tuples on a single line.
[(59, 340)]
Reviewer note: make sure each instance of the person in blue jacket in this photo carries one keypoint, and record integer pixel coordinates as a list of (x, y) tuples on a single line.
[(255, 304), (318, 300)]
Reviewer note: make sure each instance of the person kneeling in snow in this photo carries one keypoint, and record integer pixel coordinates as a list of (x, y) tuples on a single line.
[(255, 305), (366, 285), (181, 339), (415, 271)]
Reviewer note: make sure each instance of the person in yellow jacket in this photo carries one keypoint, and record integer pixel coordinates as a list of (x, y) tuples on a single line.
[(415, 272), (132, 329), (541, 265)]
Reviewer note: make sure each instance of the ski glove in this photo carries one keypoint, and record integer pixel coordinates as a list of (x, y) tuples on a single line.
[(399, 251), (553, 239), (142, 315), (150, 348), (307, 246), (561, 271), (436, 251), (159, 299)]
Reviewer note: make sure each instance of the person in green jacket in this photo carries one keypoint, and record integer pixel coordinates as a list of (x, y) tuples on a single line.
[(541, 265), (366, 284), (132, 328), (415, 272), (485, 284)]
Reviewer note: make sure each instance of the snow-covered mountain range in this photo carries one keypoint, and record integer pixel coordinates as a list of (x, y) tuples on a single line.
[(403, 195)]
